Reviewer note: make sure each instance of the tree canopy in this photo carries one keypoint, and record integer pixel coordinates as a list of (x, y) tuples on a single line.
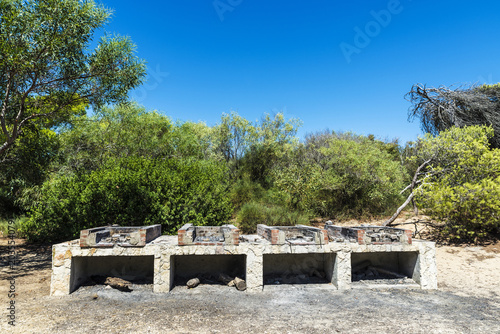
[(46, 69), (460, 185), (443, 107)]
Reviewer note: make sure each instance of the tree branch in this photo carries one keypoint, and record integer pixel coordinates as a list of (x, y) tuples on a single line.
[(410, 197)]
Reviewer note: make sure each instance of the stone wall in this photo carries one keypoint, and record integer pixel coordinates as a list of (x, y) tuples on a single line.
[(165, 250)]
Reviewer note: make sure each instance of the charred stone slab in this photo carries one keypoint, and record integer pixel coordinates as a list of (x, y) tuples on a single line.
[(208, 235), (293, 235), (124, 236), (369, 235)]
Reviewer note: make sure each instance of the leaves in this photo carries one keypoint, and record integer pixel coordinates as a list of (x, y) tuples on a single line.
[(46, 69), (132, 191), (464, 184)]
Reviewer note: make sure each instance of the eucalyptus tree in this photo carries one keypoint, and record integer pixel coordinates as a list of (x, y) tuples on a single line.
[(47, 68)]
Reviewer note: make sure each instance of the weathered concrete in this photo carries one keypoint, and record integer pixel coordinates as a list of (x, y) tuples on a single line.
[(335, 259)]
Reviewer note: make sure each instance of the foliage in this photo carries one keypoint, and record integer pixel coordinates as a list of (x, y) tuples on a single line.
[(442, 108), (132, 191), (233, 137), (7, 227), (129, 130), (125, 130), (252, 149), (340, 175), (25, 165), (253, 213), (462, 182), (244, 191), (47, 68)]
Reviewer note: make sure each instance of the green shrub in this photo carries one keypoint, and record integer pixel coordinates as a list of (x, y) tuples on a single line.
[(132, 191), (471, 211), (254, 213), (341, 175), (244, 191), (462, 183), (16, 226)]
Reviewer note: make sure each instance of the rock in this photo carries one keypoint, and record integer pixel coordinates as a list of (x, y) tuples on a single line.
[(95, 296), (193, 283)]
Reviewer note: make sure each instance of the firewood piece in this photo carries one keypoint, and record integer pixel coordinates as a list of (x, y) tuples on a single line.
[(387, 272), (193, 283), (240, 284), (317, 273), (224, 278), (98, 279), (361, 266), (118, 283)]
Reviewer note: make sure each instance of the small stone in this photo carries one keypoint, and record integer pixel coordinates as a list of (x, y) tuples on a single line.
[(95, 296), (193, 283)]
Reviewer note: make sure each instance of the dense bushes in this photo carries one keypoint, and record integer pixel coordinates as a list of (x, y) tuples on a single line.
[(253, 213), (462, 183), (341, 175), (127, 166), (132, 191)]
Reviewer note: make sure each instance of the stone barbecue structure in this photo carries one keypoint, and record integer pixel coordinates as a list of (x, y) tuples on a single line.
[(208, 235), (258, 259), (124, 236), (369, 235), (294, 235)]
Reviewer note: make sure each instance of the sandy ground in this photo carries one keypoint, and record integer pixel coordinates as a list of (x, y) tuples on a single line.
[(468, 301)]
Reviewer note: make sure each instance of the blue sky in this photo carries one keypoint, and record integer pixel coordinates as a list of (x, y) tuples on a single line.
[(337, 65)]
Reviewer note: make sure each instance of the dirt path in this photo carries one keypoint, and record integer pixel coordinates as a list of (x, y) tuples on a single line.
[(468, 301)]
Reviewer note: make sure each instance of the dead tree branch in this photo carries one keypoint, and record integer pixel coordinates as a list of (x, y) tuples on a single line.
[(412, 194)]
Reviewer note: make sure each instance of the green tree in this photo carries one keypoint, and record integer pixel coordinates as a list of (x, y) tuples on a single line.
[(129, 130), (233, 138), (25, 165), (46, 69), (341, 175), (460, 184), (274, 140), (120, 131)]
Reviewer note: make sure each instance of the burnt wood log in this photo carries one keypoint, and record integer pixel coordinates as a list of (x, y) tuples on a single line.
[(240, 284), (224, 278), (387, 272), (361, 266), (118, 283)]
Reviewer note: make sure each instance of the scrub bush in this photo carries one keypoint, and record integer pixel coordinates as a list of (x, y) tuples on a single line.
[(132, 192)]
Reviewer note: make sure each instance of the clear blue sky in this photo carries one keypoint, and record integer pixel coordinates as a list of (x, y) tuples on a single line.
[(307, 58)]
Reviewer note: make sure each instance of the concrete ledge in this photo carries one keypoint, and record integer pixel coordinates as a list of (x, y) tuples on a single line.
[(418, 257)]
